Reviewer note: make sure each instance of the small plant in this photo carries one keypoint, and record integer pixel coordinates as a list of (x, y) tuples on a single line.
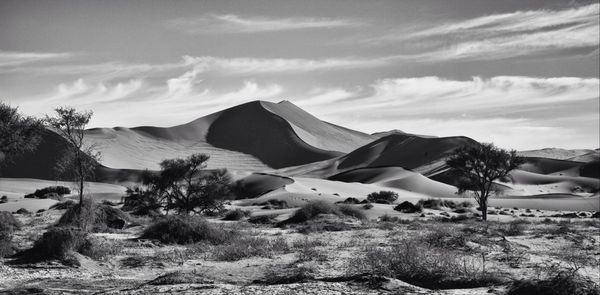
[(243, 246), (93, 217), (382, 197), (59, 243), (561, 283), (47, 192), (186, 230), (3, 199), (180, 277), (8, 225), (236, 214), (314, 209)]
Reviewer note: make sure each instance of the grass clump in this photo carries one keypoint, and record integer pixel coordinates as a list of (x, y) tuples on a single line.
[(60, 243), (313, 209), (382, 197), (180, 277), (562, 283), (236, 214), (8, 225), (245, 246), (425, 267), (287, 274), (437, 204), (93, 217), (173, 229)]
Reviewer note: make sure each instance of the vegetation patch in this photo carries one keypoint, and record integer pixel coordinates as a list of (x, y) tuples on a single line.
[(236, 214), (180, 277), (173, 229), (382, 197), (431, 268), (8, 225), (59, 243), (94, 217), (51, 192), (313, 209), (563, 283)]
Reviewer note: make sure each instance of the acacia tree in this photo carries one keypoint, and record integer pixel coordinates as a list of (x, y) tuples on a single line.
[(80, 159), (185, 186), (18, 134), (478, 167)]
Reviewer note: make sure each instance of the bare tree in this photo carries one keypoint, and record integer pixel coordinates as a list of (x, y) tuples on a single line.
[(478, 167), (80, 160), (18, 134)]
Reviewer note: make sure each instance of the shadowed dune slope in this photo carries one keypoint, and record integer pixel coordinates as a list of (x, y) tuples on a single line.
[(547, 166), (257, 184), (397, 177), (252, 129), (41, 163), (409, 151), (255, 136), (579, 155)]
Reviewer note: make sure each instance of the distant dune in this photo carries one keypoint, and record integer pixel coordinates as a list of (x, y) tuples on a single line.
[(255, 136)]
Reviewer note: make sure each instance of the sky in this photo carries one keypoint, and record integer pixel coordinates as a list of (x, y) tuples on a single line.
[(521, 74)]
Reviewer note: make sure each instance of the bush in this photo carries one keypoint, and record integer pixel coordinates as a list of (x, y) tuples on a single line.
[(8, 225), (242, 247), (350, 201), (425, 267), (141, 203), (514, 228), (236, 214), (59, 243), (408, 207), (179, 277), (564, 283), (367, 206), (63, 205), (3, 199), (23, 211), (47, 192), (94, 217), (437, 204), (288, 274), (261, 219), (186, 230), (382, 197), (313, 209)]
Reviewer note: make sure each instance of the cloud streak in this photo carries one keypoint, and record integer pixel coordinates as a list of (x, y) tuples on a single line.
[(236, 24), (500, 36), (11, 58)]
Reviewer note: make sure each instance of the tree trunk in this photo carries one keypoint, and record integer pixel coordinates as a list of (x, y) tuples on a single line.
[(484, 206)]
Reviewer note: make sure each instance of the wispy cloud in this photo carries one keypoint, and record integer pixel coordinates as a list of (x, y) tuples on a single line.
[(434, 95), (499, 36), (11, 58), (231, 23), (237, 66)]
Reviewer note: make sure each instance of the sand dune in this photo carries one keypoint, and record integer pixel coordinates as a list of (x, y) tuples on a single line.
[(255, 136), (16, 188), (560, 154), (396, 177)]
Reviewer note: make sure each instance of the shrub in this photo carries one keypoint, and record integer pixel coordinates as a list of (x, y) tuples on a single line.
[(242, 247), (288, 274), (179, 277), (261, 219), (93, 217), (425, 267), (437, 204), (350, 200), (352, 212), (47, 192), (273, 204), (382, 197), (313, 209), (63, 205), (236, 214), (23, 211), (563, 283), (307, 250), (8, 225), (186, 230), (367, 206), (514, 228), (408, 207), (141, 203), (59, 243), (3, 199)]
